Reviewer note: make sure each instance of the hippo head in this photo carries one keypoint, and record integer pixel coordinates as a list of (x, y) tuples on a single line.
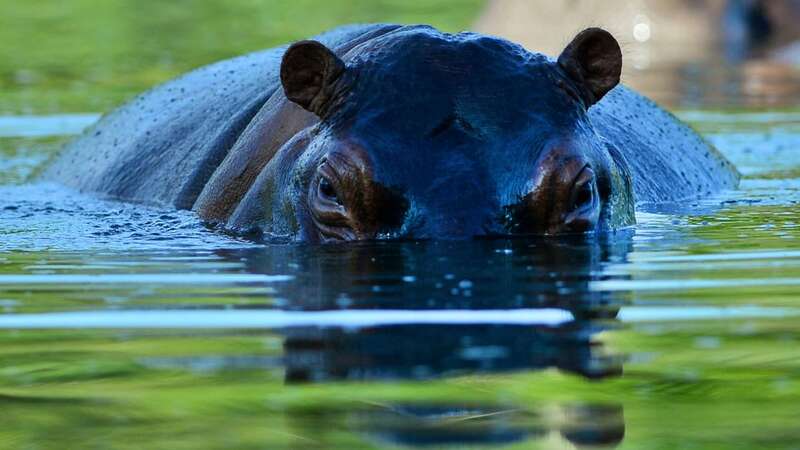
[(430, 135)]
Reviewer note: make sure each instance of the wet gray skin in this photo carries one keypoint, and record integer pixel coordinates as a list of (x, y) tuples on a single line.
[(386, 131)]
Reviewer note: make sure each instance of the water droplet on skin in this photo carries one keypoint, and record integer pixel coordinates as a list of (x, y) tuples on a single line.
[(343, 301)]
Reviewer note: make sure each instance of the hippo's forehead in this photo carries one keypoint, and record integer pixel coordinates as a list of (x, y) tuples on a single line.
[(466, 108), (420, 77)]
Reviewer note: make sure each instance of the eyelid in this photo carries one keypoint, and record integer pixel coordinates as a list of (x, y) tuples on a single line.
[(325, 170), (326, 204), (321, 188), (584, 172), (586, 177)]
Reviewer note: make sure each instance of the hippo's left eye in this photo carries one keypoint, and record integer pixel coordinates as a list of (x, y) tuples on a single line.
[(327, 191), (327, 199)]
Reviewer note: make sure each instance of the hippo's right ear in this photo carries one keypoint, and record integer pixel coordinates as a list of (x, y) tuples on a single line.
[(308, 71), (593, 60)]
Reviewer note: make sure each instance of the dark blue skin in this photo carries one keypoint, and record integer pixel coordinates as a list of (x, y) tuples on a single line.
[(386, 131)]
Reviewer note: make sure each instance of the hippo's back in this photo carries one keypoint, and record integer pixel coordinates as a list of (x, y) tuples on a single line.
[(669, 161), (162, 147)]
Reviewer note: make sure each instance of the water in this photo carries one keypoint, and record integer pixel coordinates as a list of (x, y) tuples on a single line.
[(130, 327)]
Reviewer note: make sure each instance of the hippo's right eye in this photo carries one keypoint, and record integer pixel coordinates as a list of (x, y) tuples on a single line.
[(327, 198), (327, 191), (584, 190)]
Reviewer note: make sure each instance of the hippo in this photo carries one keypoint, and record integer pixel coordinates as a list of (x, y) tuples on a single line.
[(388, 131)]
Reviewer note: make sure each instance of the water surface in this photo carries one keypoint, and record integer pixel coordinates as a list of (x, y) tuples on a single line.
[(132, 327)]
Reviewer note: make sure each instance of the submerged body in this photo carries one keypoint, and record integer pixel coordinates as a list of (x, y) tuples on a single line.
[(387, 130)]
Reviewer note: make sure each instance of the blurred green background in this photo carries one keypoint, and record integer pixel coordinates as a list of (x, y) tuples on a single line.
[(88, 55)]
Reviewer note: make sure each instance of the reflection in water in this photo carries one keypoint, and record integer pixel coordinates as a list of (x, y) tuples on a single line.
[(582, 425), (502, 274), (419, 352)]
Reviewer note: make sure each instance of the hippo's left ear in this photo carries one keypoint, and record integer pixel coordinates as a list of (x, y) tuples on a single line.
[(593, 60), (308, 72)]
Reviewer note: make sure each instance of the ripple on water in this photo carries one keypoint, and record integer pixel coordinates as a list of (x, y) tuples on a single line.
[(41, 216)]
